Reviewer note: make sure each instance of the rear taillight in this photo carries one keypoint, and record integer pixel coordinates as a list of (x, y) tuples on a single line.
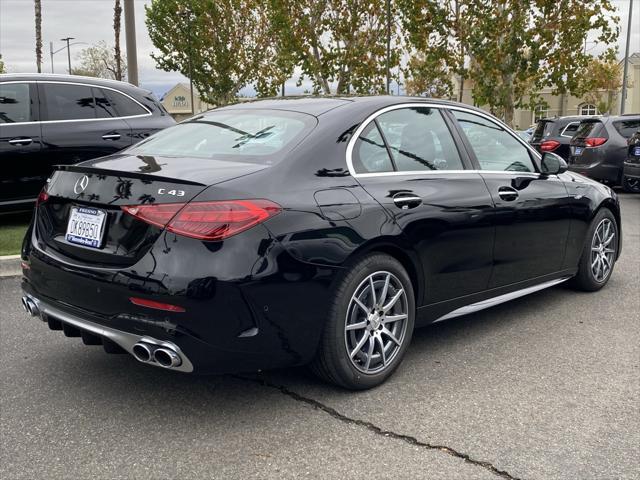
[(549, 145), (206, 220), (594, 141), (43, 197)]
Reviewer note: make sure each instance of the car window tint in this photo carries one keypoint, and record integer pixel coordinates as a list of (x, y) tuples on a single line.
[(419, 139), (124, 106), (104, 107), (370, 154), (587, 128), (543, 129), (15, 103), (626, 128), (494, 147), (68, 102), (252, 135)]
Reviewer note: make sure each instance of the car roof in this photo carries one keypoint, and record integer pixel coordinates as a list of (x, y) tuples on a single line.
[(55, 77), (318, 105)]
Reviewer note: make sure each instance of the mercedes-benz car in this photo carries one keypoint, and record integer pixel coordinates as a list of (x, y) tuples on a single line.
[(315, 231)]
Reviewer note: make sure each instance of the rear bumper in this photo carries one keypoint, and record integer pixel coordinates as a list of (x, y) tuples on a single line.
[(632, 170), (598, 171)]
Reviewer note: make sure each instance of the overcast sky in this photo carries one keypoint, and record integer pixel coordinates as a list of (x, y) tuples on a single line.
[(91, 21)]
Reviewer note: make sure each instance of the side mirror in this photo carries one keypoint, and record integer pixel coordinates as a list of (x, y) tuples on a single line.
[(553, 164)]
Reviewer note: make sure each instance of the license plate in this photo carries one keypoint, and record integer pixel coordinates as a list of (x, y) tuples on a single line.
[(578, 151), (86, 226), (636, 151)]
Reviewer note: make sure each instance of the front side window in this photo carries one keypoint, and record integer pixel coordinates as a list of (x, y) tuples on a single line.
[(251, 135), (15, 103), (494, 147), (68, 102)]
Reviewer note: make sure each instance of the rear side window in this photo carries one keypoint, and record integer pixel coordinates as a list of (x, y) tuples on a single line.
[(68, 102), (105, 108), (571, 129), (370, 154), (626, 128), (254, 136), (15, 103), (123, 105), (494, 147), (419, 139), (588, 129)]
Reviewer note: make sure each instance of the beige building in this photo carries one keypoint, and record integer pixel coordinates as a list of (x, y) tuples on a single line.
[(561, 105), (177, 102)]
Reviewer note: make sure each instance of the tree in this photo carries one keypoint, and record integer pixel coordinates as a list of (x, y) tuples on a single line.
[(98, 61), (38, 15), (226, 44), (336, 41), (513, 48), (117, 54), (602, 80), (2, 66)]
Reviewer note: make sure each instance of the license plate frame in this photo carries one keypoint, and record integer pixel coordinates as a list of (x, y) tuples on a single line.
[(578, 151), (636, 151), (85, 227)]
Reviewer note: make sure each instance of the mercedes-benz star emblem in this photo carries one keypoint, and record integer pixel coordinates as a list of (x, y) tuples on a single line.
[(81, 184)]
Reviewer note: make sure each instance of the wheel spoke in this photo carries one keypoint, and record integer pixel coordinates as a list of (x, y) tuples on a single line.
[(381, 345), (356, 326), (361, 305), (373, 292), (394, 318), (360, 344), (388, 333), (385, 289), (608, 240), (595, 261), (370, 353), (393, 301)]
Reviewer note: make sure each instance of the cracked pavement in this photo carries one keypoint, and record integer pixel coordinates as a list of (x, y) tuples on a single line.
[(543, 387)]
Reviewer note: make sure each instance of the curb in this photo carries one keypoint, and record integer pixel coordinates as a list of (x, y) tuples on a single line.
[(10, 266)]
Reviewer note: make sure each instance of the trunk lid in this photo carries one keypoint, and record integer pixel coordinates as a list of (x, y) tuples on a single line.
[(105, 185)]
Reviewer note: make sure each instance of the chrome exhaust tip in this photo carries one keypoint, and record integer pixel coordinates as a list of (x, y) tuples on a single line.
[(167, 358), (24, 304), (142, 352), (30, 307)]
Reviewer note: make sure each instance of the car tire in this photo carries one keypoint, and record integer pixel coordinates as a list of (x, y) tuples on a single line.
[(631, 185), (365, 336), (599, 253)]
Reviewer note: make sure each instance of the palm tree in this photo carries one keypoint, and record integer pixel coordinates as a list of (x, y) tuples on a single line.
[(117, 14), (38, 8)]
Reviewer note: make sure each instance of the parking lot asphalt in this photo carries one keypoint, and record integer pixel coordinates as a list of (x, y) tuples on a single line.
[(544, 387)]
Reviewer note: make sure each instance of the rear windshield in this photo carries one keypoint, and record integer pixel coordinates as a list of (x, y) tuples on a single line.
[(255, 136), (571, 129), (588, 129), (626, 128), (543, 129)]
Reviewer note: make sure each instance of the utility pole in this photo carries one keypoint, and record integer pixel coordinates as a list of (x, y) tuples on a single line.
[(623, 96), (388, 46), (51, 52), (68, 39), (132, 52)]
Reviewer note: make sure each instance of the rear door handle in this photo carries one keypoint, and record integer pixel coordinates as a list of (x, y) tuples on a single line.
[(111, 136), (406, 200), (21, 141), (508, 194)]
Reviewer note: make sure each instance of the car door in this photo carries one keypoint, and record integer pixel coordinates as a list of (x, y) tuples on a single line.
[(407, 159), (532, 210), (140, 121), (79, 123), (24, 169)]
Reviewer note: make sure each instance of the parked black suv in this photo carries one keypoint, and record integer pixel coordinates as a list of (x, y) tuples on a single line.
[(48, 120), (599, 147), (554, 134), (631, 180)]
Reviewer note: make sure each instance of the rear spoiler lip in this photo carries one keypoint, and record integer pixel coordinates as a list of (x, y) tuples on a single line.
[(119, 173)]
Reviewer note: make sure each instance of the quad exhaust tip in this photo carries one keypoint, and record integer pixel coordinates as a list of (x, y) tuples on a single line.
[(30, 307), (164, 356)]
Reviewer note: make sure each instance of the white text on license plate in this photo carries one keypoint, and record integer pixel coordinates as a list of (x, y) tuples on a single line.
[(86, 226)]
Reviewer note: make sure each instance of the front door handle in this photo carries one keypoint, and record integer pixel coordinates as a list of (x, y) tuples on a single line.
[(21, 141), (406, 200), (111, 136), (508, 194)]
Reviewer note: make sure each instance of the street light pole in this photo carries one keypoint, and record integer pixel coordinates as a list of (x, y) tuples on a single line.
[(388, 46), (130, 36), (626, 61), (68, 39), (51, 52)]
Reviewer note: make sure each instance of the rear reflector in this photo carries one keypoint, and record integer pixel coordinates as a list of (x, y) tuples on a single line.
[(549, 145), (206, 220), (594, 141), (143, 302)]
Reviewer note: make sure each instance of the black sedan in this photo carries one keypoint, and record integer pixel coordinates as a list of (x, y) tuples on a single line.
[(321, 231)]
